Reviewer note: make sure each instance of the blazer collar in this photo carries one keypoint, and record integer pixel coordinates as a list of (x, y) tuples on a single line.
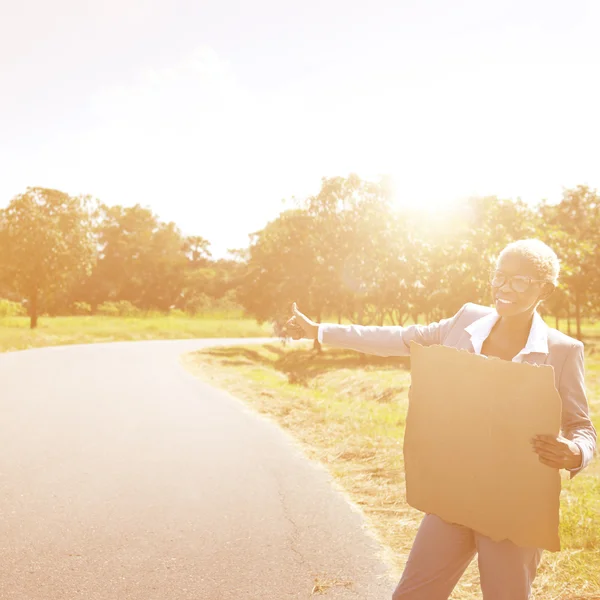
[(537, 342)]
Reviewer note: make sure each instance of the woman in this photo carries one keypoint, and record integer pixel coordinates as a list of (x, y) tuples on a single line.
[(526, 274)]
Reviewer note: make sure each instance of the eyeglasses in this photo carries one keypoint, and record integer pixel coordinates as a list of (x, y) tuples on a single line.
[(518, 283)]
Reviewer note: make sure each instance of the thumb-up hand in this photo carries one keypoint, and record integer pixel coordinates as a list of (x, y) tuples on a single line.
[(300, 326)]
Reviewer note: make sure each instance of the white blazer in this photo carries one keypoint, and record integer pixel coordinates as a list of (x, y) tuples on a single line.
[(467, 330)]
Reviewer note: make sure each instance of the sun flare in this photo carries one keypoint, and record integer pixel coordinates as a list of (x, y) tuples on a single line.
[(425, 199)]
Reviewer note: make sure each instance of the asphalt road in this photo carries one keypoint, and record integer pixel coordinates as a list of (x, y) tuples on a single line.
[(123, 477)]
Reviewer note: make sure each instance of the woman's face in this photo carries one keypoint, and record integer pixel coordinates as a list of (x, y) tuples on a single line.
[(520, 294)]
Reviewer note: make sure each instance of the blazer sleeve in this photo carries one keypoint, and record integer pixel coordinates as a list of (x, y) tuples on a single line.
[(388, 340), (576, 423)]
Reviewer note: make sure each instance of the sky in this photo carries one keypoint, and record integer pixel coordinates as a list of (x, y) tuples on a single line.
[(217, 114)]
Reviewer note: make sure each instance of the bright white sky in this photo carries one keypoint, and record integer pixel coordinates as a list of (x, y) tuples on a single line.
[(212, 112)]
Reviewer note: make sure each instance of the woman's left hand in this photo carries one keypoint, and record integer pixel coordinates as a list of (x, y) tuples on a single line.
[(557, 451)]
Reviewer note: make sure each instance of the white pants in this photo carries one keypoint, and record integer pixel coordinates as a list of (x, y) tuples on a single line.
[(441, 552)]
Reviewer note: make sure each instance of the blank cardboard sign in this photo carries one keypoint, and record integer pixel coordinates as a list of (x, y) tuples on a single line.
[(467, 451)]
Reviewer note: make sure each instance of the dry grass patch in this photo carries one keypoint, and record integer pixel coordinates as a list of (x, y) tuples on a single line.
[(324, 584)]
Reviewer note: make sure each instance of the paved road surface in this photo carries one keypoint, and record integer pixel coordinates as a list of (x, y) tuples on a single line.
[(123, 477)]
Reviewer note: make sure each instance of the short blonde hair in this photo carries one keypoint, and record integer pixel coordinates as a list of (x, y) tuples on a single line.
[(540, 254)]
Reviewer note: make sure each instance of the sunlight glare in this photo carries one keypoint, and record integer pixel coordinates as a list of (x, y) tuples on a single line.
[(425, 199)]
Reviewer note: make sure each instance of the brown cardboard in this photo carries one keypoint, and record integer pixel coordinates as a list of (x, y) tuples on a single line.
[(467, 451)]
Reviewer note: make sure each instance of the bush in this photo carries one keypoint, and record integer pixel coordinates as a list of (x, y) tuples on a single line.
[(127, 309), (121, 308), (196, 304), (81, 308), (8, 308), (108, 309), (202, 304)]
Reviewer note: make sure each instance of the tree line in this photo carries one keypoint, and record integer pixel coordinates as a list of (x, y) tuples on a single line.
[(346, 253), (64, 255), (349, 254)]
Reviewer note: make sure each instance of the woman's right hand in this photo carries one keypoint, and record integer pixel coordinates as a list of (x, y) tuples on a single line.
[(300, 326)]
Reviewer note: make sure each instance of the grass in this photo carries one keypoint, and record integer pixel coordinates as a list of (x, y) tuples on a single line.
[(15, 333), (348, 412)]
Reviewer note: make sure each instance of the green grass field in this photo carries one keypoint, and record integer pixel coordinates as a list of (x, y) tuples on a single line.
[(15, 333), (348, 412)]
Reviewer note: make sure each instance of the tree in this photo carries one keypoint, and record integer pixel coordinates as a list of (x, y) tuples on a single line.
[(280, 267), (141, 259), (199, 275), (47, 244), (572, 229), (352, 235), (196, 249)]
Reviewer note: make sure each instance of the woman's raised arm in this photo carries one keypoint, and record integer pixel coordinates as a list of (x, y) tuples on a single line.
[(369, 339)]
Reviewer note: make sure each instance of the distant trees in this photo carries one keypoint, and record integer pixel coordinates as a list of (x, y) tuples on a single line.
[(69, 255), (572, 228), (345, 253), (140, 260), (150, 264), (281, 267)]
